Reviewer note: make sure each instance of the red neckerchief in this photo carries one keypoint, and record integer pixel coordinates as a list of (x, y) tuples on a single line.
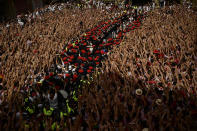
[(80, 71)]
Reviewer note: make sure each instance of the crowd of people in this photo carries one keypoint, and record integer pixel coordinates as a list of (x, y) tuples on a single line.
[(28, 50), (27, 44), (152, 73), (71, 91), (39, 97)]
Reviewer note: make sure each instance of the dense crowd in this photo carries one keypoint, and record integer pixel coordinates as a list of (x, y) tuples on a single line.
[(28, 52), (152, 73), (141, 92), (42, 96), (27, 44)]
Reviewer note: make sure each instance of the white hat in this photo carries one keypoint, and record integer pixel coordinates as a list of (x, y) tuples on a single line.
[(138, 92), (158, 101), (145, 129)]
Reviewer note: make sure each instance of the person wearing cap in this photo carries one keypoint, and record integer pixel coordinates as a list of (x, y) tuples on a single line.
[(158, 101), (138, 92)]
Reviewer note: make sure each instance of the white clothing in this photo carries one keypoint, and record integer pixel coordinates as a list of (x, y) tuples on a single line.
[(53, 102)]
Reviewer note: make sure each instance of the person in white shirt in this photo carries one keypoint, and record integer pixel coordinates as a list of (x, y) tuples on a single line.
[(153, 4), (53, 99)]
